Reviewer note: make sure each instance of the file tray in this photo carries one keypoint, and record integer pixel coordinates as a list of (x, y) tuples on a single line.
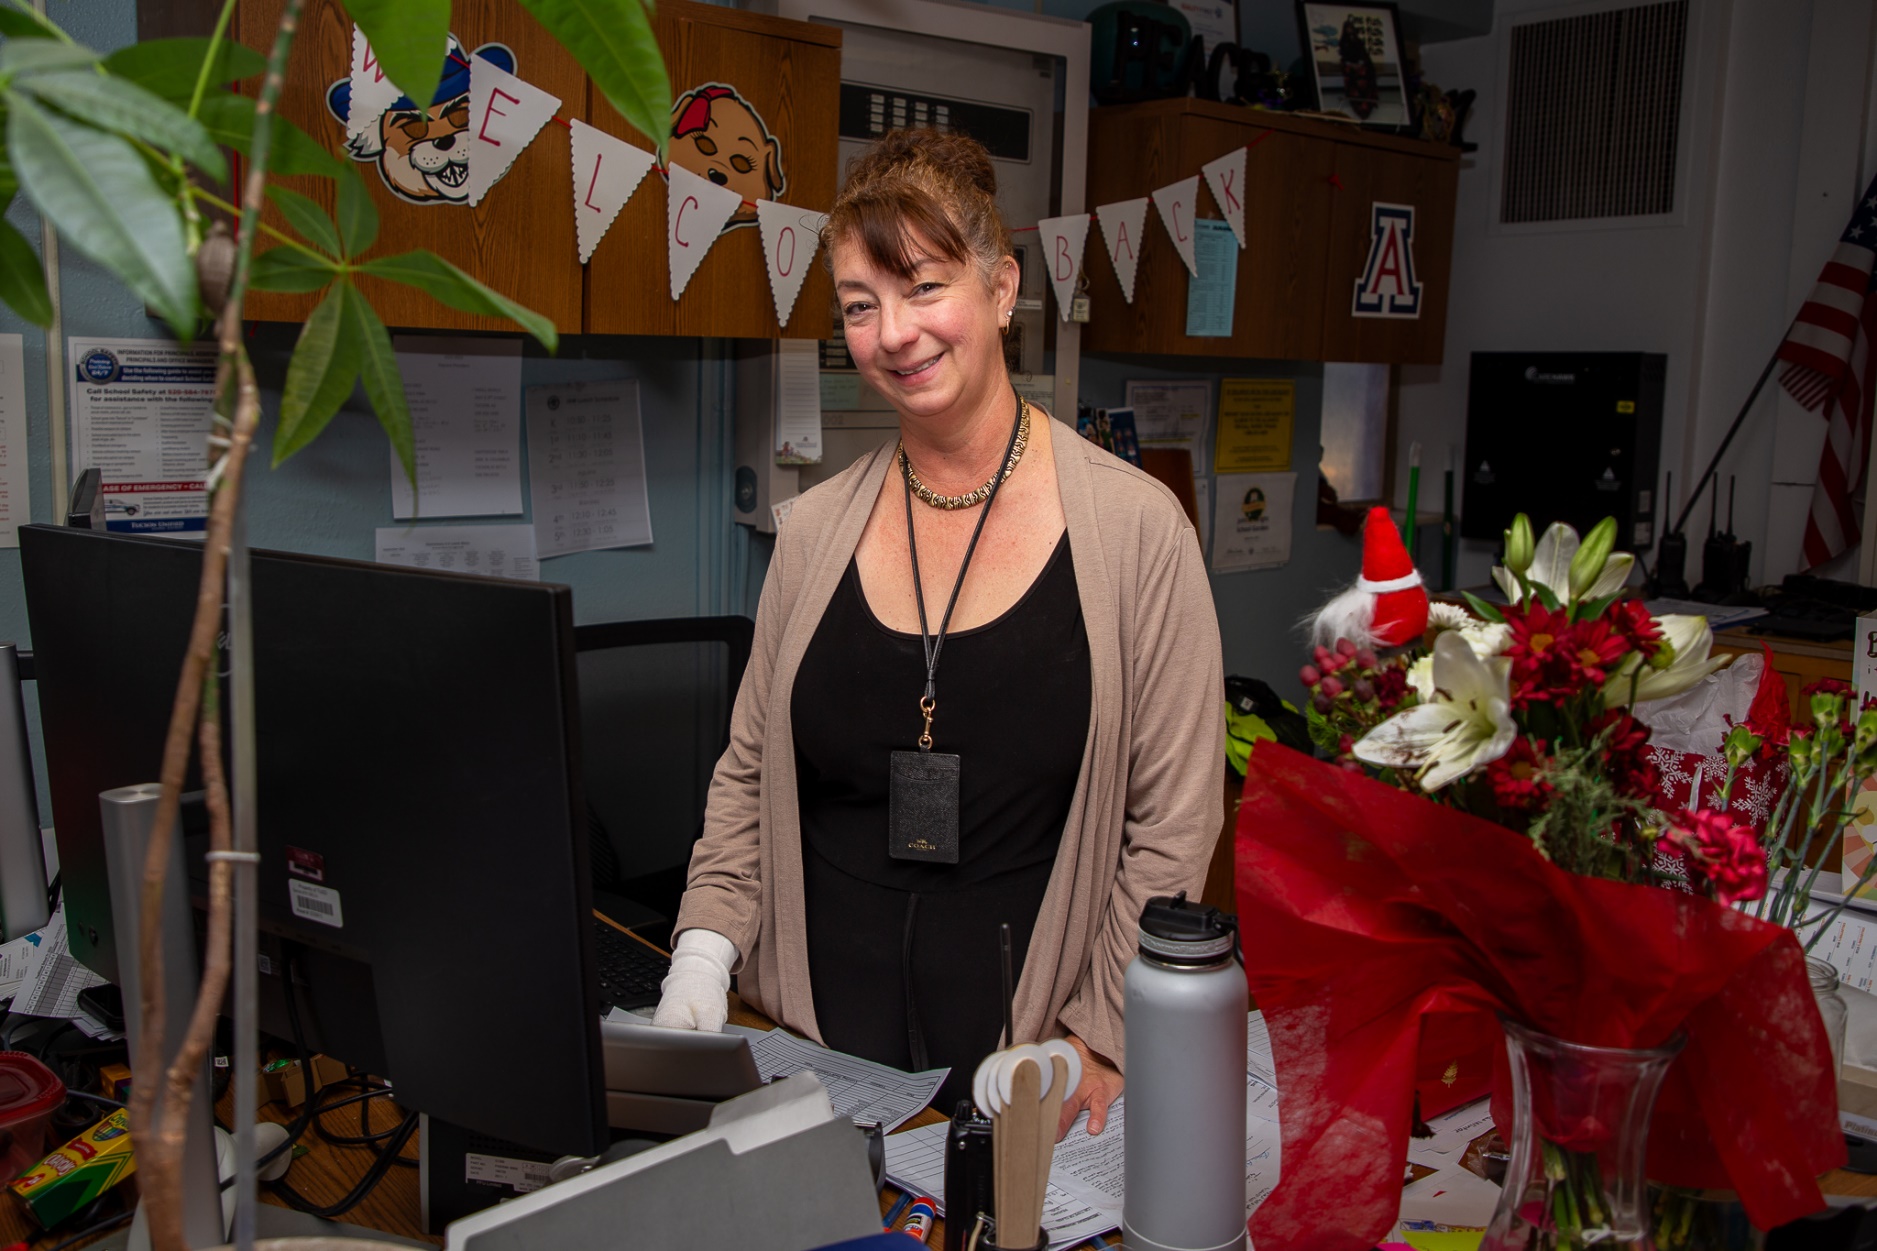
[(779, 1160)]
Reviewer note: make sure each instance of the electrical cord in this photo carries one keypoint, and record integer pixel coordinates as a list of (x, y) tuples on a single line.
[(373, 1175), (103, 1226)]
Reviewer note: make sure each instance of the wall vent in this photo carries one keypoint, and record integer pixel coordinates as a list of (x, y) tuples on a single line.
[(1593, 111)]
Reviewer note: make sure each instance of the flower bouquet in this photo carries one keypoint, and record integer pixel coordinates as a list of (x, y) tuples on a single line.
[(1482, 866)]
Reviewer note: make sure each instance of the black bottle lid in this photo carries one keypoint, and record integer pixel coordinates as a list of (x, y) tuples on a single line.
[(1175, 930)]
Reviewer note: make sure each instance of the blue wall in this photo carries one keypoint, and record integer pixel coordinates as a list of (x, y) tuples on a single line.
[(331, 497)]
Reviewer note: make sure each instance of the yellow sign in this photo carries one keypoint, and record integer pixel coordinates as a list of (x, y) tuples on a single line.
[(1255, 419)]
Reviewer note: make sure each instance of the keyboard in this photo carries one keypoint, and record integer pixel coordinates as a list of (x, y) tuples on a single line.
[(630, 971)]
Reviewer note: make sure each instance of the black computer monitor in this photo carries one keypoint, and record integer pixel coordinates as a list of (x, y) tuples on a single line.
[(418, 784)]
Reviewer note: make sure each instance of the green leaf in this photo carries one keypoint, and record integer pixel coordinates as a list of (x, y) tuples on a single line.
[(320, 376), (100, 192), (118, 105), (449, 285), (22, 277), (614, 43), (16, 23), (289, 269), (229, 119), (406, 36), (43, 56), (306, 217), (1483, 610), (169, 67), (384, 385), (1546, 596), (358, 216)]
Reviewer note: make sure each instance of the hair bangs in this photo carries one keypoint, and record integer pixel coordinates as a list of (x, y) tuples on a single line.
[(897, 228)]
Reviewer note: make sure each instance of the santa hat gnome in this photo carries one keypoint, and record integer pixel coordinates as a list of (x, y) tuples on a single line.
[(1387, 606)]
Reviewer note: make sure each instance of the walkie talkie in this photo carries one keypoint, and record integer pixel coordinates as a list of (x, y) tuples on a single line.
[(970, 1178)]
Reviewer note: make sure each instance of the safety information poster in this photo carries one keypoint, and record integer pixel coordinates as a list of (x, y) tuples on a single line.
[(141, 411)]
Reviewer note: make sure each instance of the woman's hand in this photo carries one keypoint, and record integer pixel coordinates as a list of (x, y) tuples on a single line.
[(1100, 1086)]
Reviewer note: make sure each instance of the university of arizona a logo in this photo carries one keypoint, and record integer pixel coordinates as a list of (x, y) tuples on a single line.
[(1388, 287)]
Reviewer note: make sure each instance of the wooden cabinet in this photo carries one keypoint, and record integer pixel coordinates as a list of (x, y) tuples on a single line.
[(790, 75), (519, 240), (1310, 192), (785, 80)]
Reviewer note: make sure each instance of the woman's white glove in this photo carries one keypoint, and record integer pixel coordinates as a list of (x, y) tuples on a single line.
[(695, 992)]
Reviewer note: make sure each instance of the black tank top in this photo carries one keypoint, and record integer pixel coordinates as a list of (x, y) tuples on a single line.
[(904, 954)]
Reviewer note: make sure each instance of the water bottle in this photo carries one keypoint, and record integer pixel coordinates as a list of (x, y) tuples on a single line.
[(1185, 1109)]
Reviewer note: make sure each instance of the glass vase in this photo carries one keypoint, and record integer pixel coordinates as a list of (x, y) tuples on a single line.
[(1579, 1140), (1831, 1005)]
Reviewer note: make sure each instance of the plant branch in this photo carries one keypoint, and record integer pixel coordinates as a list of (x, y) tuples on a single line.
[(208, 58), (160, 1156)]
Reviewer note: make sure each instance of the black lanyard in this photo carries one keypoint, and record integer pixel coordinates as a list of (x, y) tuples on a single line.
[(928, 703)]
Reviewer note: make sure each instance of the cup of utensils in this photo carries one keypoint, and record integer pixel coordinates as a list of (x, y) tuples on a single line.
[(1021, 1089)]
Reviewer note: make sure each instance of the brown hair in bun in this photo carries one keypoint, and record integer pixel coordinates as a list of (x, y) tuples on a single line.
[(919, 192)]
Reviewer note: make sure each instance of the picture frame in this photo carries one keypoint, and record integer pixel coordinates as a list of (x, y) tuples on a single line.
[(1355, 56)]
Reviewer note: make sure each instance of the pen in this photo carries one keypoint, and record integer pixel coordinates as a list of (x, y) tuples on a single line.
[(892, 1213)]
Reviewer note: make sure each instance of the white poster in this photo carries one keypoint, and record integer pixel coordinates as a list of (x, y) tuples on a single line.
[(1863, 662), (465, 399), (1173, 413), (586, 467), (1226, 178), (695, 211), (15, 507), (140, 412), (1063, 239), (798, 402), (505, 114), (1251, 521), (492, 551), (790, 237), (606, 173), (1176, 202), (372, 92), (1121, 226), (1215, 21)]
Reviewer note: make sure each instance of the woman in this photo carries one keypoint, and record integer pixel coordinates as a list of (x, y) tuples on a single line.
[(985, 689)]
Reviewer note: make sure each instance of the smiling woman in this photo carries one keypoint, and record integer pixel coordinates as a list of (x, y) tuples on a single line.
[(984, 691)]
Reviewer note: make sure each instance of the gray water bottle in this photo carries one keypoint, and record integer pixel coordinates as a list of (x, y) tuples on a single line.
[(1185, 1109)]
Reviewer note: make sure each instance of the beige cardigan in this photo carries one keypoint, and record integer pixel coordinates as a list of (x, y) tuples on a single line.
[(1146, 808)]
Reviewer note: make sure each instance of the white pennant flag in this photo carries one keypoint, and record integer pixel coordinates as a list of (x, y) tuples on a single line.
[(1226, 177), (1121, 226), (790, 237), (505, 114), (1175, 202), (371, 92), (695, 211), (1063, 240), (606, 173)]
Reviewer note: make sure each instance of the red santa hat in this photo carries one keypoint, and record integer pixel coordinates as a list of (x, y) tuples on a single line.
[(1387, 605)]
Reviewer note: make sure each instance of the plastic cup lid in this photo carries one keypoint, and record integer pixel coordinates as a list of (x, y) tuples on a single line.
[(27, 1087)]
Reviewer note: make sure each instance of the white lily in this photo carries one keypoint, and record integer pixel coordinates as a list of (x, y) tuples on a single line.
[(1689, 639), (1487, 638), (1551, 569), (1465, 724)]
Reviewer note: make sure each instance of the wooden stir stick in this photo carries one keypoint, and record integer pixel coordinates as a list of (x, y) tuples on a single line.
[(1018, 1188)]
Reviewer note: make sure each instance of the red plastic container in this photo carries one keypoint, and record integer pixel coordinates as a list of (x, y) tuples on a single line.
[(29, 1094)]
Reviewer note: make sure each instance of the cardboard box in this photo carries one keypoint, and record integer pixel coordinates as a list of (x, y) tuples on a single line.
[(285, 1083), (78, 1172)]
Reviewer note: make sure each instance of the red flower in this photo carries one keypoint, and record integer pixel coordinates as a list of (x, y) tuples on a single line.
[(1626, 753), (1544, 662), (1770, 716), (1517, 778), (1719, 854), (1630, 618), (1391, 684), (1597, 646)]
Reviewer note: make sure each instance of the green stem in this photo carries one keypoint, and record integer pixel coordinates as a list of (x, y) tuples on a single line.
[(208, 59)]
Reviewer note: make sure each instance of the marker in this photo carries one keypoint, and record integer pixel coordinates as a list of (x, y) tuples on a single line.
[(919, 1220), (892, 1213)]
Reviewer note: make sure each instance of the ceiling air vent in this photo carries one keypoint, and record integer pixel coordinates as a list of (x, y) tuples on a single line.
[(1593, 109)]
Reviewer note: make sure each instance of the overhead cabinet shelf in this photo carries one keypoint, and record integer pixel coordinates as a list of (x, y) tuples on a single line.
[(1312, 231)]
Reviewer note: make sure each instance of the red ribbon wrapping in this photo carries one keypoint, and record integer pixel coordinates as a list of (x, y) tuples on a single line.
[(1384, 934)]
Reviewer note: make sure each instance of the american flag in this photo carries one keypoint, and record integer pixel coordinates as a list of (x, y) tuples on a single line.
[(1829, 365)]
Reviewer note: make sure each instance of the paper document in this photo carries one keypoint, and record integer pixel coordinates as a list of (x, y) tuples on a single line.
[(1251, 521), (141, 416), (50, 977), (465, 401), (1172, 413), (798, 402), (858, 1088), (586, 466), (495, 551), (1088, 1171)]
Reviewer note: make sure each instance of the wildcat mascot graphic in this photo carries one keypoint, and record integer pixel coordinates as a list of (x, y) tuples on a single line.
[(423, 154)]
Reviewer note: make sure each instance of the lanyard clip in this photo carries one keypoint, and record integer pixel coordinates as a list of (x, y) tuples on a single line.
[(927, 705)]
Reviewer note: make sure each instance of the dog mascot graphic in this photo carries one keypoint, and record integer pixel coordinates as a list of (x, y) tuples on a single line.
[(717, 134), (422, 154)]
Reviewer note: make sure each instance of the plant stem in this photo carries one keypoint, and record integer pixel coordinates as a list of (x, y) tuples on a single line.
[(208, 59), (278, 236), (160, 1156)]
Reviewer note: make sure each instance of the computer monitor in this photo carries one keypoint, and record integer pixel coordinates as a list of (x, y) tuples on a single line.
[(422, 823)]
